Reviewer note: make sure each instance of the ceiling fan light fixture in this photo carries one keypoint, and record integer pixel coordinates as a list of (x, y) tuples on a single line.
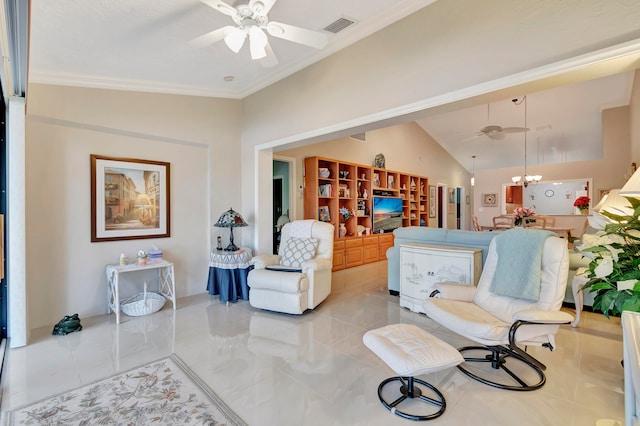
[(235, 39), (257, 42)]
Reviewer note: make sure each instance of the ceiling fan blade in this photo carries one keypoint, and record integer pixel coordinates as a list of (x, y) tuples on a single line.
[(476, 136), (211, 37), (297, 35), (221, 7), (270, 60), (488, 129), (514, 129), (261, 7)]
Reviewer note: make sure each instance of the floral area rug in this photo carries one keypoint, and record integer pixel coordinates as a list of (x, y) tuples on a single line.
[(163, 392)]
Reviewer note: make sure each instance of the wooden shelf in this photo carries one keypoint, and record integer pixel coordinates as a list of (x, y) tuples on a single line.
[(347, 183)]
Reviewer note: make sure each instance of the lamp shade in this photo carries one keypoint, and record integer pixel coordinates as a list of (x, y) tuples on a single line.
[(230, 219), (615, 203), (235, 39), (282, 220), (632, 187), (257, 42)]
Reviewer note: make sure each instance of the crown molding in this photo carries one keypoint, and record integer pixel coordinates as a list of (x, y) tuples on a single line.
[(101, 82)]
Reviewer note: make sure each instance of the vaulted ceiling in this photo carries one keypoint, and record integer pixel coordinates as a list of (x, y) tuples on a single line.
[(565, 125), (144, 45)]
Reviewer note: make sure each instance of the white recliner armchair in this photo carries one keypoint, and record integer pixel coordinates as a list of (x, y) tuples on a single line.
[(299, 276), (500, 322)]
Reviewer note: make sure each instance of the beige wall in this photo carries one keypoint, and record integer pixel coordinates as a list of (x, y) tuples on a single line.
[(406, 147), (446, 52), (198, 136), (607, 173)]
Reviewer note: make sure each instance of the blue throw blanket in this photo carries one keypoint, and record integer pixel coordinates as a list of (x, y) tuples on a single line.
[(519, 263)]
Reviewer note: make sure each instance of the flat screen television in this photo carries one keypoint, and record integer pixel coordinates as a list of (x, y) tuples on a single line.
[(387, 213)]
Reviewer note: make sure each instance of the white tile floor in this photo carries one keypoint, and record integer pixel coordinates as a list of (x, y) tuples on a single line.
[(275, 369)]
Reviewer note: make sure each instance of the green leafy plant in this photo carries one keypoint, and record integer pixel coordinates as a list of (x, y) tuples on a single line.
[(614, 269)]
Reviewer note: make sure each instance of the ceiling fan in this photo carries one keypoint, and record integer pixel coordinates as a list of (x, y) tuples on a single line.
[(496, 132), (251, 20)]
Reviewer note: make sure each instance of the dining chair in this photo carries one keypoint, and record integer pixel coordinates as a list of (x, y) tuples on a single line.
[(534, 222), (503, 222), (476, 225), (550, 220)]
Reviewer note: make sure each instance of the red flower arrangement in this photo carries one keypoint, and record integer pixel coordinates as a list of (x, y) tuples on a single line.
[(582, 203)]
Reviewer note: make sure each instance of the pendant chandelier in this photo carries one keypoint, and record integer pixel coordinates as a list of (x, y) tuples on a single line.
[(528, 179), (473, 171)]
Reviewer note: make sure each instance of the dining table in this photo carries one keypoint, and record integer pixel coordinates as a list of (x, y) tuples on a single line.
[(562, 231)]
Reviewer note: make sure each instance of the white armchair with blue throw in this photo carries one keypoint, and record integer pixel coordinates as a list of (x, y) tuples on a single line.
[(299, 276), (516, 303)]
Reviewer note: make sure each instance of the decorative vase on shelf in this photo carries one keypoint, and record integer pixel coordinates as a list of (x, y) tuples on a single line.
[(342, 230), (142, 261), (584, 211)]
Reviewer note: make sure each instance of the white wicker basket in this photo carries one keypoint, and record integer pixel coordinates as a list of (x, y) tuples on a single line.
[(143, 303)]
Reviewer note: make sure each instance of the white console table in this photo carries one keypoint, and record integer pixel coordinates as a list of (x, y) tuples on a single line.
[(423, 265), (166, 282)]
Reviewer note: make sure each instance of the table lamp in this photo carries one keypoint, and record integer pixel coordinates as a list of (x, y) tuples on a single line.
[(230, 219)]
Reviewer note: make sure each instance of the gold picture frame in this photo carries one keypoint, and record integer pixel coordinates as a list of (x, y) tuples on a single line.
[(490, 199), (130, 199)]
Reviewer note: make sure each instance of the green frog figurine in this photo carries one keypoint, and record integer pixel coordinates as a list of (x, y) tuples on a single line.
[(66, 325)]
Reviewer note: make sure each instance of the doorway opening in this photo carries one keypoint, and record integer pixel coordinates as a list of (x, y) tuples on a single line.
[(282, 206)]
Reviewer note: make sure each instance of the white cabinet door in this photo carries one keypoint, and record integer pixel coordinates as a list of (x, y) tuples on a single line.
[(421, 266)]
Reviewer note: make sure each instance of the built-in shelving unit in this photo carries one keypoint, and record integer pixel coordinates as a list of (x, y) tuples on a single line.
[(332, 185)]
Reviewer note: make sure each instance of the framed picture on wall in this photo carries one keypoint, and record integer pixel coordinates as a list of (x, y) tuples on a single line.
[(452, 196), (490, 200), (130, 199), (432, 201)]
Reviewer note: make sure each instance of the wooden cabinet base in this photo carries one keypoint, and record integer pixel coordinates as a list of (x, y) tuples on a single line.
[(339, 260), (356, 251)]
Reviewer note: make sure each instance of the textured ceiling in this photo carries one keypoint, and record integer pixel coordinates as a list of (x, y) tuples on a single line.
[(143, 44), (565, 124)]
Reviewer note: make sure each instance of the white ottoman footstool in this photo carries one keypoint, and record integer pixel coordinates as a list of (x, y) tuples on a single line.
[(410, 351)]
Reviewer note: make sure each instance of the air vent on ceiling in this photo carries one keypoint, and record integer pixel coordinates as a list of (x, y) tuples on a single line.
[(339, 25)]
